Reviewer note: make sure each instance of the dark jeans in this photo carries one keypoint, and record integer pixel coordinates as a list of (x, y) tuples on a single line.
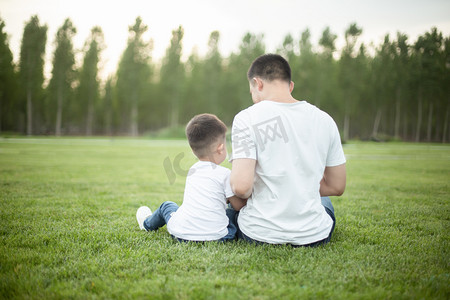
[(163, 214), (326, 202)]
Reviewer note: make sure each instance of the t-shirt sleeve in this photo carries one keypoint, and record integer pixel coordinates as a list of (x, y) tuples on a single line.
[(242, 140), (335, 155), (228, 192)]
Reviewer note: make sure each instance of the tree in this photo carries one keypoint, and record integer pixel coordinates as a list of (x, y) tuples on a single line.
[(133, 74), (383, 68), (88, 90), (172, 76), (107, 107), (327, 91), (63, 73), (287, 50), (430, 61), (8, 83), (236, 81), (31, 65), (193, 90), (360, 107), (347, 75), (401, 73), (213, 73), (446, 84), (305, 70)]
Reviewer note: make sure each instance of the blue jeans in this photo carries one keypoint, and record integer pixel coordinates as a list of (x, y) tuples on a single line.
[(326, 202), (162, 215)]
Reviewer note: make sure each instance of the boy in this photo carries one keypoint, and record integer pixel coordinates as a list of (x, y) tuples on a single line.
[(203, 216)]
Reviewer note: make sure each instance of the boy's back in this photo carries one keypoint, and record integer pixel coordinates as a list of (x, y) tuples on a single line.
[(202, 215)]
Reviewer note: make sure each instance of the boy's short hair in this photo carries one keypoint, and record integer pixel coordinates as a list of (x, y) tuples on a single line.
[(270, 67), (203, 131)]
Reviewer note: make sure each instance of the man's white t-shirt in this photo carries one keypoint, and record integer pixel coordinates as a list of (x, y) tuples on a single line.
[(292, 143), (202, 215)]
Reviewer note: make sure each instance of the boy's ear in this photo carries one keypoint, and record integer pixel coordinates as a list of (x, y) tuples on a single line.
[(220, 148)]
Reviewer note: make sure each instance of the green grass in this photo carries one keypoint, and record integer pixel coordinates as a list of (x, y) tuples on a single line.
[(68, 229)]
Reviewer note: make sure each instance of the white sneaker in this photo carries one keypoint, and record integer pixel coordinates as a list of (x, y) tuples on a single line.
[(143, 213)]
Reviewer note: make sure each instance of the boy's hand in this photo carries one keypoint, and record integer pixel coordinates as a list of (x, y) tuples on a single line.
[(236, 202)]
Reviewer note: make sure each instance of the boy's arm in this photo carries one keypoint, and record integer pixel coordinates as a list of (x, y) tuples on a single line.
[(333, 181), (237, 202)]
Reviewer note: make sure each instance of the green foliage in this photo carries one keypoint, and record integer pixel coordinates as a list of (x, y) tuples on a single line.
[(68, 228), (61, 87), (399, 89), (31, 67), (236, 91), (88, 93), (8, 83), (172, 78), (133, 76)]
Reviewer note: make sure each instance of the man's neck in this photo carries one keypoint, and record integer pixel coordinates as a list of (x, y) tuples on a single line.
[(280, 98), (277, 91)]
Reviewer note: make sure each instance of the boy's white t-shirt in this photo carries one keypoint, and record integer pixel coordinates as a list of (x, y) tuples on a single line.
[(292, 143), (202, 215)]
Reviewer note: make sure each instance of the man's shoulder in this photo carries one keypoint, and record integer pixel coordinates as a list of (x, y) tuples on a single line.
[(253, 110), (318, 111)]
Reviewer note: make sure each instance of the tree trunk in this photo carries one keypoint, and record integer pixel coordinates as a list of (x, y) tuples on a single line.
[(430, 122), (346, 126), (376, 123), (108, 122), (405, 127), (419, 117), (174, 114), (397, 115), (134, 117), (0, 113), (89, 118), (29, 114), (58, 114), (174, 117), (444, 135)]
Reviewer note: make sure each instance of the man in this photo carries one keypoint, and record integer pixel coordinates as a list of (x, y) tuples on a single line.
[(287, 156)]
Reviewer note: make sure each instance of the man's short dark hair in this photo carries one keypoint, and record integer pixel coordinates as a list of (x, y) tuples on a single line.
[(202, 131), (270, 67)]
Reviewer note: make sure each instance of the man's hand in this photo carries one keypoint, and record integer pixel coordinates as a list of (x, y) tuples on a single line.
[(242, 176), (333, 181)]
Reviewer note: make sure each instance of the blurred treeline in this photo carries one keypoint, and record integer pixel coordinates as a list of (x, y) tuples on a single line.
[(397, 90)]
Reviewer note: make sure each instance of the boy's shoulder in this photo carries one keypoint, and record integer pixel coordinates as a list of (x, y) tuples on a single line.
[(209, 167)]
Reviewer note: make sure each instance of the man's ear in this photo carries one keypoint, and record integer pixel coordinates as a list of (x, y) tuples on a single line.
[(291, 87), (258, 83)]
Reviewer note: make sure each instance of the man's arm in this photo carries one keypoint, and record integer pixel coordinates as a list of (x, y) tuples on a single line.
[(237, 202), (333, 181), (242, 176)]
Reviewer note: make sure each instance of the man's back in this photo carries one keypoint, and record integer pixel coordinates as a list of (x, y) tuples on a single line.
[(292, 143)]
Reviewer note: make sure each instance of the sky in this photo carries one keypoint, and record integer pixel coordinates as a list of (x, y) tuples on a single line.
[(232, 18)]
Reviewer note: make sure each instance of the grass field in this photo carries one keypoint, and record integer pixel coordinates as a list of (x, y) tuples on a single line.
[(68, 229)]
